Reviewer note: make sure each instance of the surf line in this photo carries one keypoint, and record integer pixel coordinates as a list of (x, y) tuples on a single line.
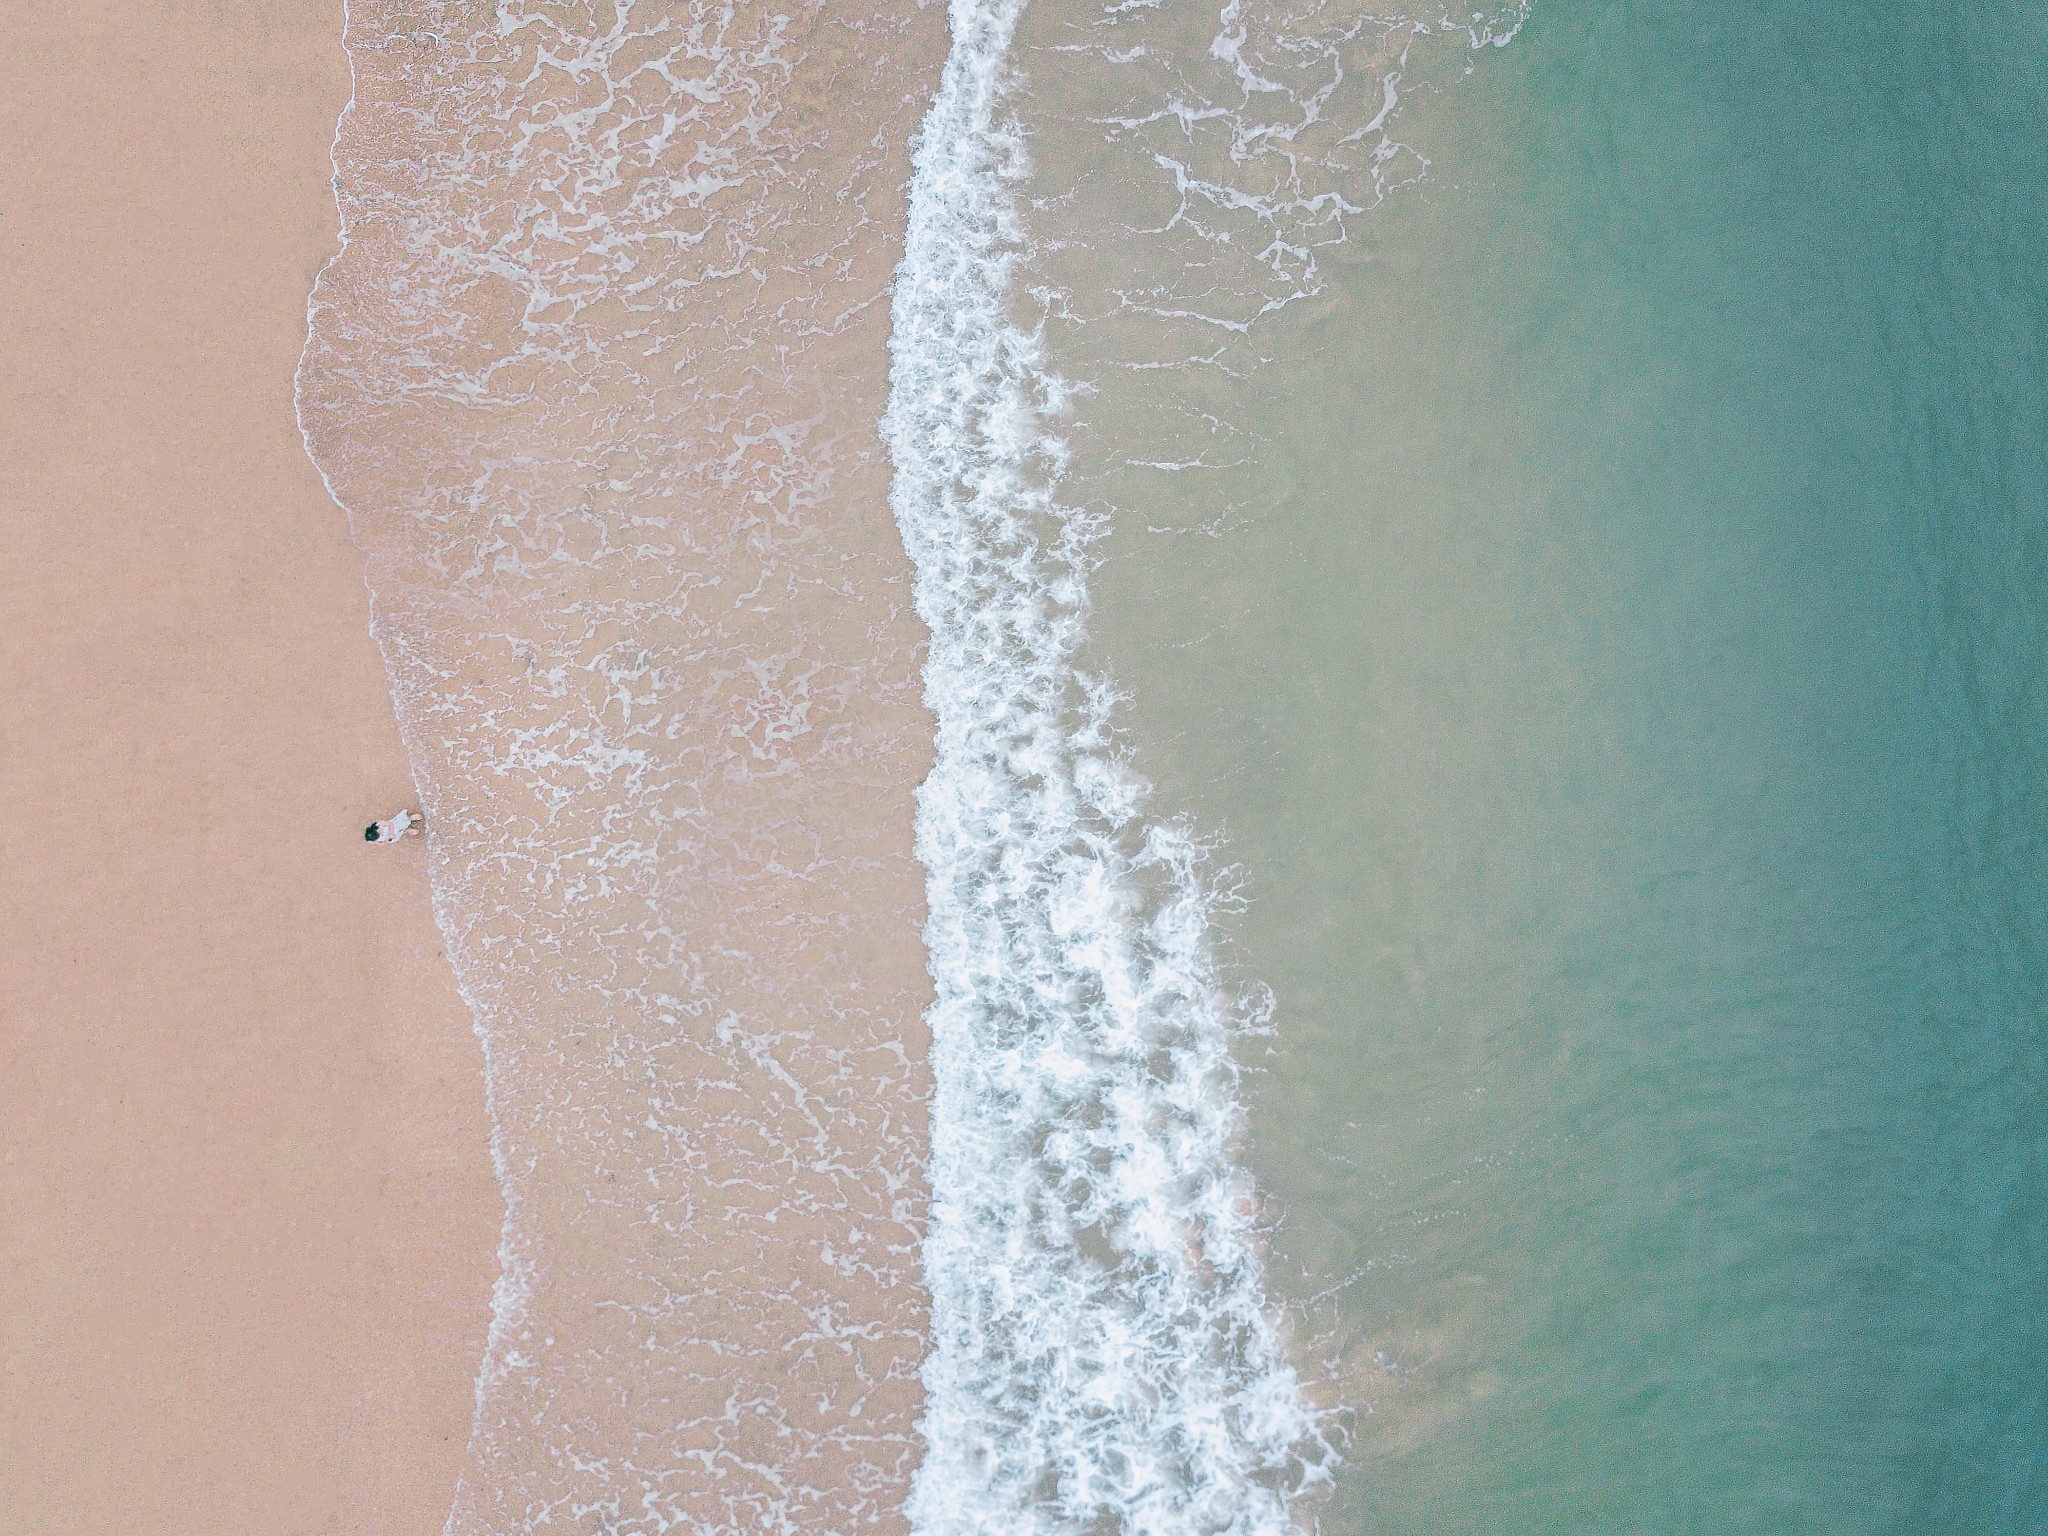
[(1104, 1354)]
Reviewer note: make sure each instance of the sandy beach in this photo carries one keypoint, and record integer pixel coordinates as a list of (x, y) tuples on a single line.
[(247, 1220)]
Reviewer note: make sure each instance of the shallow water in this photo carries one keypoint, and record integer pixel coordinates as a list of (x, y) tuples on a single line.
[(596, 376), (1611, 643)]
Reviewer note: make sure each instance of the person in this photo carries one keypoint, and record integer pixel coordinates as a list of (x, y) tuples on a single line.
[(393, 828)]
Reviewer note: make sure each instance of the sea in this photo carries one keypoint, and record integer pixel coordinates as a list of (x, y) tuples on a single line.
[(1225, 768)]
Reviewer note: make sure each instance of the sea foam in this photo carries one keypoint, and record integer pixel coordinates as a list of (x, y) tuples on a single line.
[(1105, 1354)]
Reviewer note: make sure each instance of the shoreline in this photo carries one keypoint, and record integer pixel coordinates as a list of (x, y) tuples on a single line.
[(604, 422), (252, 1225)]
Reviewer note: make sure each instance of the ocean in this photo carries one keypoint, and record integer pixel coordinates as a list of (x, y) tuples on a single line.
[(1610, 644), (1228, 768)]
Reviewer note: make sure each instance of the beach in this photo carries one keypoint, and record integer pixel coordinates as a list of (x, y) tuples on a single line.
[(1254, 769), (247, 1219)]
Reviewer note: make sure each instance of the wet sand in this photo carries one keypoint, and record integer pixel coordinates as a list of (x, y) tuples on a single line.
[(247, 1222), (598, 378)]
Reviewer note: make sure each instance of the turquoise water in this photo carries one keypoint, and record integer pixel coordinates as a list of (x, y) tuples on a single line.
[(1615, 652)]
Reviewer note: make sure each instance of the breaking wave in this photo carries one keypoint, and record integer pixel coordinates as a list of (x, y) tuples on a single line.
[(1105, 1355)]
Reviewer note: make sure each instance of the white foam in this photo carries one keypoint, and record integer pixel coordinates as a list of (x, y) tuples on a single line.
[(1105, 1355)]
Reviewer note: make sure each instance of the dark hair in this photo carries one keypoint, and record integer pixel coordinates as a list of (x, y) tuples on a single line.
[(370, 833)]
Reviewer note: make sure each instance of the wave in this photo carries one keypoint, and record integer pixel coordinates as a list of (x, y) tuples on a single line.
[(1104, 1352)]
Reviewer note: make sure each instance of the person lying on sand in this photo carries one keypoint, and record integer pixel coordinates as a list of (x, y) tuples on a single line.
[(395, 827)]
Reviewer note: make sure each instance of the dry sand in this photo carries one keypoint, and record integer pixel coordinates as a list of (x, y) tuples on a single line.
[(247, 1225)]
